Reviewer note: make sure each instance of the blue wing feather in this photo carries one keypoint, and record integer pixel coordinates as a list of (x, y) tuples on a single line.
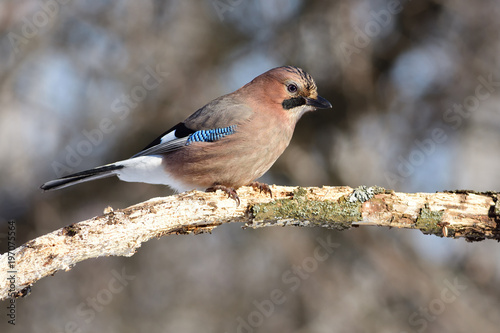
[(210, 135)]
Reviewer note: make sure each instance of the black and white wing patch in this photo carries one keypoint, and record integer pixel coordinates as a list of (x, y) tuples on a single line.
[(171, 140), (180, 136)]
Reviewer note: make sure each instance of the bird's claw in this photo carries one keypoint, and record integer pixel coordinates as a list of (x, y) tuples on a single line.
[(262, 187), (231, 192)]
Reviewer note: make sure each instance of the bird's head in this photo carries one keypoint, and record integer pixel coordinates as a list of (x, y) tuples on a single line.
[(291, 90)]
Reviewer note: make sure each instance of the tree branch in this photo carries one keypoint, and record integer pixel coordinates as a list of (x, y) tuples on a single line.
[(475, 216)]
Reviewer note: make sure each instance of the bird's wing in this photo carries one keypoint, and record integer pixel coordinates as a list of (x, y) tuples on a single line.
[(173, 139), (212, 122)]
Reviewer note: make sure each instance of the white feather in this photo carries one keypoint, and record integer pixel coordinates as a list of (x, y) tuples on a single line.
[(149, 169), (168, 137)]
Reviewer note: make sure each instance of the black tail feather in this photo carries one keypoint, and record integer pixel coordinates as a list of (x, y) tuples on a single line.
[(80, 177)]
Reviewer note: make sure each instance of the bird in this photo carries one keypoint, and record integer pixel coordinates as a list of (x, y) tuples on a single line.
[(228, 143)]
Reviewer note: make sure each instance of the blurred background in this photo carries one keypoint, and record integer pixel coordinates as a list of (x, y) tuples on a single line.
[(415, 88)]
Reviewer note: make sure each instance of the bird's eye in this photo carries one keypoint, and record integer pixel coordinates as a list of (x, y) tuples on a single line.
[(292, 88)]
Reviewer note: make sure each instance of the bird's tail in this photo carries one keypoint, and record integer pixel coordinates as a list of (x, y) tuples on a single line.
[(81, 177)]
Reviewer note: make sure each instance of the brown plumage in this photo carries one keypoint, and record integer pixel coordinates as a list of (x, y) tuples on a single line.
[(228, 143)]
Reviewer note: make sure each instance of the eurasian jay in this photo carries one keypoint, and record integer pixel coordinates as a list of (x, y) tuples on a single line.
[(228, 143)]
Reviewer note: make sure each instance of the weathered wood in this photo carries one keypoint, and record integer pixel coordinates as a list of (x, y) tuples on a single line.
[(475, 216)]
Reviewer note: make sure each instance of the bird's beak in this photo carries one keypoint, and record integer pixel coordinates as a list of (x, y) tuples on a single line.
[(318, 102)]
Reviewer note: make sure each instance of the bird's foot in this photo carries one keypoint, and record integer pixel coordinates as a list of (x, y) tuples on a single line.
[(231, 192), (262, 187)]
